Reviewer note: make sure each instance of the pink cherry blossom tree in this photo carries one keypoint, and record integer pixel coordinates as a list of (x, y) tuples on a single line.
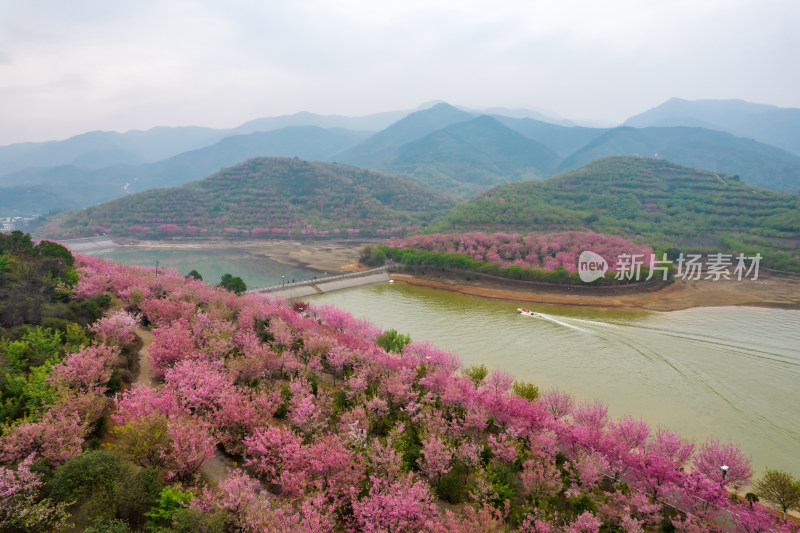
[(87, 369), (541, 478), (713, 456), (20, 504), (118, 328), (171, 343), (402, 506), (436, 459), (56, 437), (558, 403)]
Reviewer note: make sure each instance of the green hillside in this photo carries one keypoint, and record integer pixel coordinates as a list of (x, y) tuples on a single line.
[(651, 201), (469, 157), (270, 195), (757, 164)]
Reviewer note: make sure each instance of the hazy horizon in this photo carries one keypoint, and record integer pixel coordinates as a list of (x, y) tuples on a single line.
[(70, 68)]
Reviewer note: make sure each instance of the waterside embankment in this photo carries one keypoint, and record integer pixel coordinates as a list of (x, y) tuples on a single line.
[(769, 290)]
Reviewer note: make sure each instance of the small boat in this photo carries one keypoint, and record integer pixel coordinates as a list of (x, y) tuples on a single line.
[(528, 312)]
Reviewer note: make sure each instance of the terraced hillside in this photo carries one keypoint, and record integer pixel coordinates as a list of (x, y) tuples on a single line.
[(651, 201), (266, 195)]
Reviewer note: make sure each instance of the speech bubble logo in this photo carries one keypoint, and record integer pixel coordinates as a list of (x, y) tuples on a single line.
[(591, 266)]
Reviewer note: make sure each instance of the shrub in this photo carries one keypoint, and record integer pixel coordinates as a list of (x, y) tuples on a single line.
[(477, 373), (526, 390), (372, 256), (392, 341), (170, 501), (146, 442), (113, 525), (582, 503), (137, 493), (197, 521), (86, 473), (451, 487), (105, 489), (233, 283)]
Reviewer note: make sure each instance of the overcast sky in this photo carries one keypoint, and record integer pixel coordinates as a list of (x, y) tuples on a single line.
[(67, 67)]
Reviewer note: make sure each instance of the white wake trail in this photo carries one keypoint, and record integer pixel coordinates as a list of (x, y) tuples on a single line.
[(560, 323)]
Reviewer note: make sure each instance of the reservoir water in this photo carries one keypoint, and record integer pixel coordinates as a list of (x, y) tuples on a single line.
[(728, 372), (255, 270)]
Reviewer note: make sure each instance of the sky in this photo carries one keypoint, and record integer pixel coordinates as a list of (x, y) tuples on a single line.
[(84, 65)]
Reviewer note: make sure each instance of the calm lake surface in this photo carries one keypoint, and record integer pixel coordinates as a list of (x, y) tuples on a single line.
[(728, 372), (255, 270)]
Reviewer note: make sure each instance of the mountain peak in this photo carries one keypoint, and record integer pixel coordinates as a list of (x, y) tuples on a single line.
[(379, 148)]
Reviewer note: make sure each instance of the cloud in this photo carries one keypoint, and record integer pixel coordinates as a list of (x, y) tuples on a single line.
[(90, 64)]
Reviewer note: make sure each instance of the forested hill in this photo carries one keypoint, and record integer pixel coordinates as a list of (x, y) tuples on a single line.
[(468, 157), (266, 195), (652, 201)]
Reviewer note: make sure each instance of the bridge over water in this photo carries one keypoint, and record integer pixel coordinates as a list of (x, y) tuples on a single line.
[(89, 244), (301, 289)]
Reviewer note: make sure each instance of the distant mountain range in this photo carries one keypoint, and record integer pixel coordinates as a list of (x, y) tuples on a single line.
[(72, 187), (455, 151), (99, 149), (765, 123), (756, 163)]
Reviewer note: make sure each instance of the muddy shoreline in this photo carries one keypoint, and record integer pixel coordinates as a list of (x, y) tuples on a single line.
[(334, 255), (771, 293)]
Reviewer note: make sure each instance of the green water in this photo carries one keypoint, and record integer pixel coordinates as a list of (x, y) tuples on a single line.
[(255, 270), (728, 372)]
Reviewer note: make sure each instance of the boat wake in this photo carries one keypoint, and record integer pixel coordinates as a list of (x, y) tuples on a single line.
[(533, 314), (560, 323)]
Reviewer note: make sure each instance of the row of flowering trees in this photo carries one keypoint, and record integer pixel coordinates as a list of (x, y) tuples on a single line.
[(541, 251), (156, 230), (333, 432)]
